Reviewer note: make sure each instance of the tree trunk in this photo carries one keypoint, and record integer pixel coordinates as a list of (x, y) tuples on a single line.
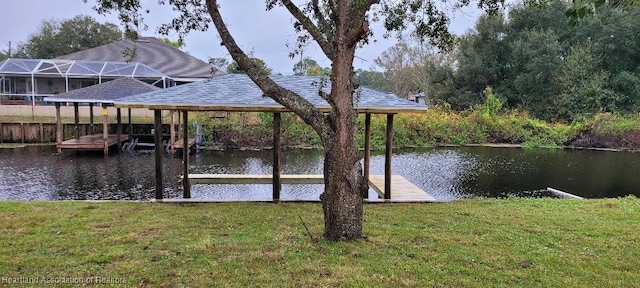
[(342, 197)]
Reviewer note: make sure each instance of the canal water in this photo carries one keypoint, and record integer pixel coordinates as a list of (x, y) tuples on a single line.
[(37, 173)]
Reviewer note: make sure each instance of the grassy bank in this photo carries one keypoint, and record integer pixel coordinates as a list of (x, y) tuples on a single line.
[(529, 243)]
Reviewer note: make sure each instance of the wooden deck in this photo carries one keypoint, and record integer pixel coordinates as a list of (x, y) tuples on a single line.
[(93, 142), (401, 189), (179, 143)]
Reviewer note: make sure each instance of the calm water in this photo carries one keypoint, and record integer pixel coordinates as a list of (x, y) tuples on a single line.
[(37, 173)]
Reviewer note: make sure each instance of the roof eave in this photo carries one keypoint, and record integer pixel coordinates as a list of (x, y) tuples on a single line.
[(255, 108), (72, 100)]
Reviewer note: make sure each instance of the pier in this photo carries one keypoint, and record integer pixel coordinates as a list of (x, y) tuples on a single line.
[(402, 189), (93, 142)]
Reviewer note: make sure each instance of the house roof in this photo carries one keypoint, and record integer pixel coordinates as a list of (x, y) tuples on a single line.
[(152, 52), (237, 92), (105, 92)]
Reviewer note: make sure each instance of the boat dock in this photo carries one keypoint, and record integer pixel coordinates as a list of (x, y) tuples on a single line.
[(180, 142), (93, 142)]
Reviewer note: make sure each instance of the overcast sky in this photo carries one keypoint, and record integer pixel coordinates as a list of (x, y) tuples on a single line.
[(264, 32)]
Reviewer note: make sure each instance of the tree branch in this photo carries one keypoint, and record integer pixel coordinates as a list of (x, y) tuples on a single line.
[(308, 25), (359, 30), (309, 113), (323, 24)]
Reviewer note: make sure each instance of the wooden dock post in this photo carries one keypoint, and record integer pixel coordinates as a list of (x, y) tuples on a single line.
[(277, 186), (92, 129), (172, 132), (76, 120), (387, 157), (367, 154), (105, 130), (186, 188), (58, 129), (130, 125), (157, 117), (119, 127)]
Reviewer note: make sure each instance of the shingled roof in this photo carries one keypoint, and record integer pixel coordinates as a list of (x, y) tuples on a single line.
[(237, 92), (105, 92), (152, 52)]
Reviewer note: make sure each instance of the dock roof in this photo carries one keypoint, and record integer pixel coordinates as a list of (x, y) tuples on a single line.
[(238, 93), (105, 92)]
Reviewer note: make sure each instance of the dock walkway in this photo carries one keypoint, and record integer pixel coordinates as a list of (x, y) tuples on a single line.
[(402, 190), (179, 143), (93, 142)]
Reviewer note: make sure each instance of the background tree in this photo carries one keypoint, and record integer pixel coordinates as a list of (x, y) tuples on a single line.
[(536, 62), (219, 63), (309, 67), (56, 38), (3, 55), (339, 27), (234, 68), (371, 79), (410, 66)]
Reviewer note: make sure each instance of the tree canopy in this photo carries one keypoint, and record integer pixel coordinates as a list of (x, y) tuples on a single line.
[(536, 62), (234, 68), (309, 67), (56, 38)]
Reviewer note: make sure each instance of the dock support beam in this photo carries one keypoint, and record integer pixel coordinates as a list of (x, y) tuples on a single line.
[(387, 158), (367, 154), (105, 130), (119, 127), (172, 132), (76, 120), (186, 189), (91, 127), (58, 129), (277, 185), (157, 117), (130, 132)]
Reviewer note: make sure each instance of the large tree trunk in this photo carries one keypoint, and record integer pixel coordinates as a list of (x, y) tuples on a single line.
[(342, 197)]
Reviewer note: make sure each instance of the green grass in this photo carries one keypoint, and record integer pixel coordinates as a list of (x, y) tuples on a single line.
[(481, 242)]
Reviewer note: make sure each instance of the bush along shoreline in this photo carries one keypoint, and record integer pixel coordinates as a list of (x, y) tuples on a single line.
[(438, 126)]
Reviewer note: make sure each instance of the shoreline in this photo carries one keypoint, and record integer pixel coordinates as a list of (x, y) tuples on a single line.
[(304, 147)]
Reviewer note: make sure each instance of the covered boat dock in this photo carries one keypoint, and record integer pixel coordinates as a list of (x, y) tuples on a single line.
[(237, 93), (104, 95)]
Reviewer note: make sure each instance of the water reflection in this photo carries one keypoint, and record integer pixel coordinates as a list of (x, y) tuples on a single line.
[(37, 173)]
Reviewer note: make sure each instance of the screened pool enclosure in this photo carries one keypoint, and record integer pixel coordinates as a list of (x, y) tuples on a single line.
[(27, 81)]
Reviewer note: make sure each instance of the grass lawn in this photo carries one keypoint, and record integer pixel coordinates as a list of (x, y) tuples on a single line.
[(470, 243)]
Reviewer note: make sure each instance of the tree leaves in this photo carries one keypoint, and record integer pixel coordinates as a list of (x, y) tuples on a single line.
[(60, 38)]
